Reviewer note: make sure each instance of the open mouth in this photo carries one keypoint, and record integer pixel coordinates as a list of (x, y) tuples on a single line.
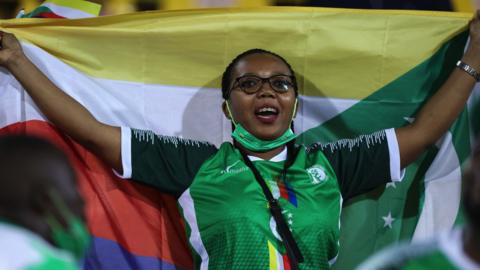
[(267, 114), (266, 111)]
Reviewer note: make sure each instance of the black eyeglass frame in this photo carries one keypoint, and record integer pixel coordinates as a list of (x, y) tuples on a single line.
[(263, 80)]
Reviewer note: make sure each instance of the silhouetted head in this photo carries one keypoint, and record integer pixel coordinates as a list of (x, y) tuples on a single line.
[(39, 191)]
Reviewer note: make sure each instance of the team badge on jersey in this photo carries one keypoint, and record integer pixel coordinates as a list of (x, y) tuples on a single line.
[(317, 174)]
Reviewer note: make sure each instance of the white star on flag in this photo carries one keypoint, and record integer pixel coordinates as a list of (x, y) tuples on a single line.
[(388, 220), (409, 119), (391, 184)]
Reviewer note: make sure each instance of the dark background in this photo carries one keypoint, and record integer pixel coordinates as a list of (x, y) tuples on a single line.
[(9, 8)]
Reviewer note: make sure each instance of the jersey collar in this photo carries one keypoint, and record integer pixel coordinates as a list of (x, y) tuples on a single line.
[(282, 156)]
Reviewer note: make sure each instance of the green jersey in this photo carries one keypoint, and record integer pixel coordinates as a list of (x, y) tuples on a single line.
[(20, 249), (228, 222), (444, 252)]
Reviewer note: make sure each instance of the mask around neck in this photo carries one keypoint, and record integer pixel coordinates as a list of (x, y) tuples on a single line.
[(75, 238), (250, 142)]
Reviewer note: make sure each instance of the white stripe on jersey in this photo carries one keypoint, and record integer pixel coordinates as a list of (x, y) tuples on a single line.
[(186, 202)]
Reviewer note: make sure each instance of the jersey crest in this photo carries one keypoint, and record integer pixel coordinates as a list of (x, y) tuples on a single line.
[(317, 174)]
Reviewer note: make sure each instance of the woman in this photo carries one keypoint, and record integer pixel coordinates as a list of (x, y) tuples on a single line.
[(262, 200)]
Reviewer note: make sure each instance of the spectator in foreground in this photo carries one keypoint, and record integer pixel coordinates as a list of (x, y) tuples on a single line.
[(41, 212), (457, 249)]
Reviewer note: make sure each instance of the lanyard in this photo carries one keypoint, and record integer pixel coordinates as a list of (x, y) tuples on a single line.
[(293, 252)]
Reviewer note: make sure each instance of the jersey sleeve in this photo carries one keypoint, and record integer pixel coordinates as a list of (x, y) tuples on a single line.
[(363, 163), (166, 162)]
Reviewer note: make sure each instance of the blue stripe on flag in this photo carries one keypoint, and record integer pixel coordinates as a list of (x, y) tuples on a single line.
[(108, 254), (291, 194)]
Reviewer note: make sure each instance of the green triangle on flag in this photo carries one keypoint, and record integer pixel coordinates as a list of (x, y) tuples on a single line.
[(389, 214)]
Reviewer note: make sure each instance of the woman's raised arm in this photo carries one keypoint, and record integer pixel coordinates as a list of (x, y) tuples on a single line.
[(60, 109), (438, 114)]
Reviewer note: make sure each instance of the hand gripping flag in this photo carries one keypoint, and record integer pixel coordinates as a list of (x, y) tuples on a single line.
[(359, 71)]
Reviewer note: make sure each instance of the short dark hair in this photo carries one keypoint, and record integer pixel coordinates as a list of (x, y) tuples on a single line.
[(476, 148), (28, 161), (227, 74)]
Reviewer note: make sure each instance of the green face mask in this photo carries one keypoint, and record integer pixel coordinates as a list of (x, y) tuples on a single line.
[(249, 141), (75, 238)]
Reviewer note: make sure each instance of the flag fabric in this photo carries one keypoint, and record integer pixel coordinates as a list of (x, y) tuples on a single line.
[(60, 9), (359, 71)]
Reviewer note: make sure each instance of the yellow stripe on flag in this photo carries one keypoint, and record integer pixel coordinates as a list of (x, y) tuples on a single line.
[(254, 3), (338, 53), (191, 4), (272, 255), (85, 6)]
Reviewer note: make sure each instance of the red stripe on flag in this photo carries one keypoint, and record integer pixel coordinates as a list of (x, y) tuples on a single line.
[(283, 189), (286, 262), (140, 218), (48, 15)]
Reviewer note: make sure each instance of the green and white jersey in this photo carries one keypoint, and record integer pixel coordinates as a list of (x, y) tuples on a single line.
[(228, 223), (444, 252), (20, 249)]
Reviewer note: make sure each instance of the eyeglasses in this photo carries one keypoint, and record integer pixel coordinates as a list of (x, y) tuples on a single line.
[(251, 84)]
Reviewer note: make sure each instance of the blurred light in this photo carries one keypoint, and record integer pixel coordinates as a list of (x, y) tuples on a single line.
[(465, 5), (114, 7)]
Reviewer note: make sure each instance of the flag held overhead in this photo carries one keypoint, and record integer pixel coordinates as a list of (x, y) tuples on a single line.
[(148, 67)]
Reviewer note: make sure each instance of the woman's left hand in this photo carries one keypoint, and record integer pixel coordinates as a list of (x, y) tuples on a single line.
[(441, 110)]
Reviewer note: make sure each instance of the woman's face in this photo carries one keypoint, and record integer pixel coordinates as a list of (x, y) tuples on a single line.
[(266, 114)]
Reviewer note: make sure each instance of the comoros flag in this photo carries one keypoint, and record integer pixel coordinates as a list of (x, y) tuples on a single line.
[(359, 71), (61, 9)]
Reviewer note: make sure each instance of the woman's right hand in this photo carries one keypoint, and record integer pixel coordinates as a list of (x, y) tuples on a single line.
[(78, 123), (472, 54), (10, 49)]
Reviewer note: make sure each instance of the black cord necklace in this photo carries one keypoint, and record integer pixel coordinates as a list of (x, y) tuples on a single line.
[(293, 252)]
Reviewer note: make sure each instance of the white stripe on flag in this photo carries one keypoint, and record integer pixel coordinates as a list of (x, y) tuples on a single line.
[(188, 112), (275, 258), (314, 111), (443, 177), (274, 189), (67, 12)]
